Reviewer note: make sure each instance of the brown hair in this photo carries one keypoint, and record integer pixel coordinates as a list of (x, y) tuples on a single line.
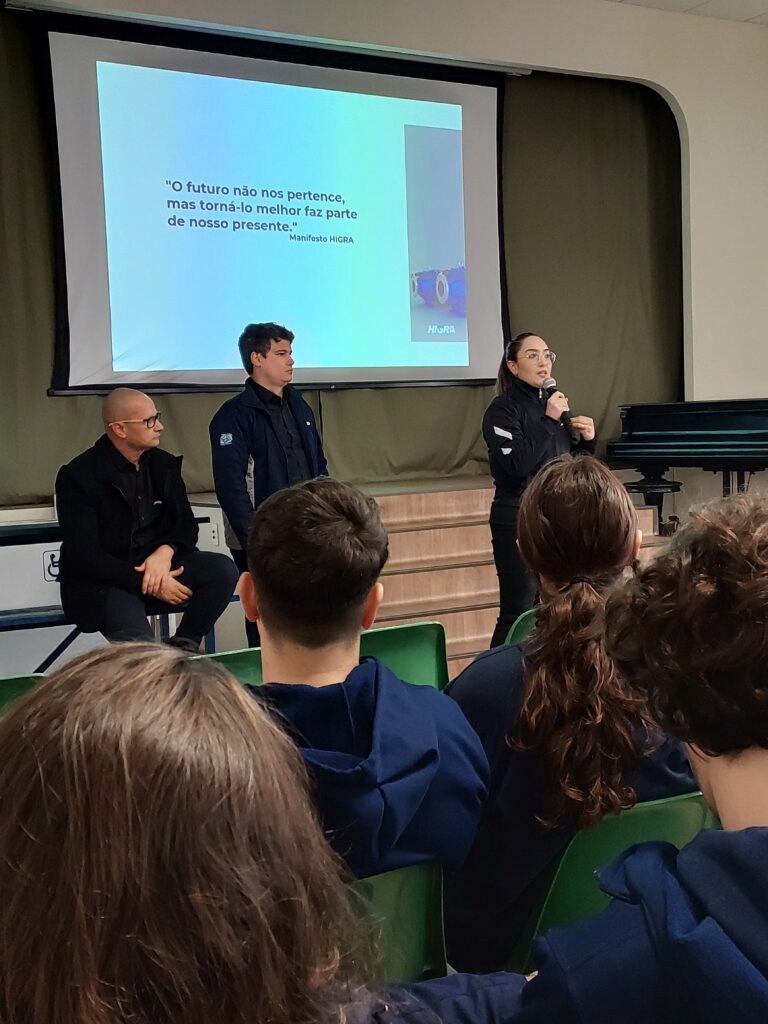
[(159, 859), (576, 531), (691, 631), (314, 552), (511, 350)]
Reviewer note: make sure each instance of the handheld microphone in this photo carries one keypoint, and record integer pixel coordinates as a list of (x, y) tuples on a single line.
[(549, 385)]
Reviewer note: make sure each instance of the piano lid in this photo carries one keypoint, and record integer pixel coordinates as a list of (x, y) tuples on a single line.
[(718, 436)]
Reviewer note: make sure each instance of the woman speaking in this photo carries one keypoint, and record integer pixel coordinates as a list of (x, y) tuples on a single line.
[(523, 428)]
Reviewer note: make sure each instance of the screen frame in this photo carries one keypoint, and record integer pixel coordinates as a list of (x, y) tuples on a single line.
[(239, 46)]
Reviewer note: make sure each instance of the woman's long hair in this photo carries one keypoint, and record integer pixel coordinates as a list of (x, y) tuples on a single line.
[(511, 350), (576, 531), (160, 862)]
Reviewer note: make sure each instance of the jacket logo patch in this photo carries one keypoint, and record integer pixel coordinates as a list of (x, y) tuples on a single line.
[(225, 439)]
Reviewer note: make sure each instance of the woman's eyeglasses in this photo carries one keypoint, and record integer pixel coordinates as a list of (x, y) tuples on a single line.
[(548, 356)]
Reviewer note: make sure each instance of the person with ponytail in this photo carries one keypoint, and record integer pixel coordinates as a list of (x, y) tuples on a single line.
[(567, 739), (524, 427)]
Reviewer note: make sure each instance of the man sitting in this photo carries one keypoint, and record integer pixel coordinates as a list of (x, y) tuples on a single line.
[(684, 939), (399, 774), (129, 535)]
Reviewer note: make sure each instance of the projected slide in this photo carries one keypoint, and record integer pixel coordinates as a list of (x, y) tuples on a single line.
[(223, 197), (202, 192)]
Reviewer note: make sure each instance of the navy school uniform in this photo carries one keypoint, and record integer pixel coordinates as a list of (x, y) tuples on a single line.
[(399, 774), (685, 940), (458, 999), (489, 900)]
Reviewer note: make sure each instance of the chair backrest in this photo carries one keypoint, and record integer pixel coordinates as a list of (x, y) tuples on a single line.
[(245, 665), (522, 627), (405, 910), (15, 686), (415, 652), (574, 892)]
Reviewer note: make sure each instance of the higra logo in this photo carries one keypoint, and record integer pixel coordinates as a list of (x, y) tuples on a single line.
[(438, 329)]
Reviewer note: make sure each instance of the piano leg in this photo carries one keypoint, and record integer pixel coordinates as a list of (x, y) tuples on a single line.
[(726, 483), (741, 485)]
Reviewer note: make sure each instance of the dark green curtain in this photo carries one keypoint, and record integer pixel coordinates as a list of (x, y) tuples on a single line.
[(592, 231)]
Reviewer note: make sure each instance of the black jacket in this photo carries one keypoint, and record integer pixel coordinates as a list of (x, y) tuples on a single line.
[(521, 438), (242, 432), (96, 520)]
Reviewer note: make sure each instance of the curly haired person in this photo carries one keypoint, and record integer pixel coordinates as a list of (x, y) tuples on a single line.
[(685, 938)]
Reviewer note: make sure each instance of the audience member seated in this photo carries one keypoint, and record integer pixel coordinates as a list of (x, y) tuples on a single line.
[(566, 737), (129, 535), (684, 939), (160, 863), (398, 772)]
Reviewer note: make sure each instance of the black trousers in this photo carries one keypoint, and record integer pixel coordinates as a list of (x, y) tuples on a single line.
[(251, 629), (211, 577), (517, 587)]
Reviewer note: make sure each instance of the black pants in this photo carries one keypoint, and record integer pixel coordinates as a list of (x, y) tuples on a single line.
[(251, 629), (211, 577), (517, 587)]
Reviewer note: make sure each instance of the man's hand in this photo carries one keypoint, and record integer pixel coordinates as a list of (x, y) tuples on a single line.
[(583, 425), (556, 406), (171, 591), (155, 568)]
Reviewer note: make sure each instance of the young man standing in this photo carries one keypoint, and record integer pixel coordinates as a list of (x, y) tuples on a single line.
[(263, 439), (398, 773)]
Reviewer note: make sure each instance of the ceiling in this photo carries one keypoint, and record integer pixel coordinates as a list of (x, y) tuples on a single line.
[(754, 11)]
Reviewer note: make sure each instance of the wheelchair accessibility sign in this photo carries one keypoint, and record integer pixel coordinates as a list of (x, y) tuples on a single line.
[(51, 566)]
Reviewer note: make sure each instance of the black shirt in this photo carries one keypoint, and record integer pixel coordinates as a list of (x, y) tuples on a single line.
[(135, 484), (287, 432)]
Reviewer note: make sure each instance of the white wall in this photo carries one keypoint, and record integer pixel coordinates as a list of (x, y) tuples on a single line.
[(714, 74)]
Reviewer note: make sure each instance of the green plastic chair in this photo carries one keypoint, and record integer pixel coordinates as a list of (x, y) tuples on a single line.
[(415, 652), (405, 910), (522, 627), (15, 686), (574, 893)]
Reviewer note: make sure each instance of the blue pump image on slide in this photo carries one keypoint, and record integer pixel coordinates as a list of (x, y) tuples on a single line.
[(447, 288), (436, 253)]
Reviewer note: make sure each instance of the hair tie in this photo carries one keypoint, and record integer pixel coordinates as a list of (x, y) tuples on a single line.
[(581, 579)]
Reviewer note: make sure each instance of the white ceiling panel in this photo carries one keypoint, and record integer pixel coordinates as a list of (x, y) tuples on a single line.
[(754, 11), (733, 10), (663, 5)]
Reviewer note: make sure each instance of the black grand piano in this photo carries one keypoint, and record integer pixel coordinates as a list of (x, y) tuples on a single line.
[(721, 437)]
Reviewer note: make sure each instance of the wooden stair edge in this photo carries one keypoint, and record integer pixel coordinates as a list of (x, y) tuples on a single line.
[(431, 612), (405, 569)]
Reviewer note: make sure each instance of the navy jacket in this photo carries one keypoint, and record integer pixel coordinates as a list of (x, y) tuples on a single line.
[(398, 772), (242, 436), (489, 900), (458, 999), (95, 518), (685, 940)]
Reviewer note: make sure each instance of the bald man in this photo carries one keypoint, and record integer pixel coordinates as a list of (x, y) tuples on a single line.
[(128, 534)]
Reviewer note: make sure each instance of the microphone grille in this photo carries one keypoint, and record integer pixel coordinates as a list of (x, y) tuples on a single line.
[(548, 383)]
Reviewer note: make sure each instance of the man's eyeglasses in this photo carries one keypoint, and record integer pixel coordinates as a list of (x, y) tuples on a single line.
[(532, 354), (149, 422)]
